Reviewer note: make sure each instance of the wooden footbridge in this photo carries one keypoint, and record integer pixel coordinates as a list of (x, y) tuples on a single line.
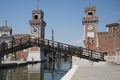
[(27, 42)]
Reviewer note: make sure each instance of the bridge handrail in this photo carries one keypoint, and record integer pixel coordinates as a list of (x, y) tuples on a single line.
[(93, 53), (53, 44)]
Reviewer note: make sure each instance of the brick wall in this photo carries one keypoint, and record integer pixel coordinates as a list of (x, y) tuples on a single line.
[(105, 43), (116, 38), (110, 41), (22, 54)]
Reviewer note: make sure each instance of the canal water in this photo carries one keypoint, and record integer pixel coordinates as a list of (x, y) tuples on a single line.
[(40, 71)]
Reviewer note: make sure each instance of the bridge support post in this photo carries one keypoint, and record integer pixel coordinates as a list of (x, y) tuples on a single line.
[(54, 54), (91, 54), (0, 59), (70, 57), (42, 53), (102, 56), (42, 56), (42, 59)]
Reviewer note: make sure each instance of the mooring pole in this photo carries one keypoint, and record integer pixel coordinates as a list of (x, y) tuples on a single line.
[(0, 59)]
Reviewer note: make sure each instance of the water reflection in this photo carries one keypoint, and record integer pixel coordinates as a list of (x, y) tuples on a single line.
[(18, 73), (39, 71)]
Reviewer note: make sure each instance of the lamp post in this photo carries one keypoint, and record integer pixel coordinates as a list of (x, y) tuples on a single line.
[(52, 35), (88, 45), (88, 42)]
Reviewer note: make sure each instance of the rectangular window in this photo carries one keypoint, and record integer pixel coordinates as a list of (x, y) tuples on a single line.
[(90, 14)]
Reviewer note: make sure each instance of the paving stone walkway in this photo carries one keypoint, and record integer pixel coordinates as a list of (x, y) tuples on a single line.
[(96, 71)]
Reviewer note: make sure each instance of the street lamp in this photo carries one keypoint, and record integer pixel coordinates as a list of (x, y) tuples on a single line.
[(88, 43)]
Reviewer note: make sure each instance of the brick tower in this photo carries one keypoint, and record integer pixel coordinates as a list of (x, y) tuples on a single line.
[(37, 24), (90, 21), (37, 29)]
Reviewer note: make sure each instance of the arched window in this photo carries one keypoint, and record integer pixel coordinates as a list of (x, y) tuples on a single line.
[(4, 35)]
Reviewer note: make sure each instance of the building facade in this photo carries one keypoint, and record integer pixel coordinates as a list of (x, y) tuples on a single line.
[(90, 21), (37, 30), (5, 33), (5, 37), (108, 42)]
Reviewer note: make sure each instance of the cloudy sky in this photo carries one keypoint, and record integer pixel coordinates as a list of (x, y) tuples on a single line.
[(64, 16)]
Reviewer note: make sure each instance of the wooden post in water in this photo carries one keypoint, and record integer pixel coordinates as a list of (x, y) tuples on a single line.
[(0, 59)]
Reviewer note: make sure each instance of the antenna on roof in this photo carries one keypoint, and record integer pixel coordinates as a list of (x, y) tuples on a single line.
[(38, 4), (89, 2), (52, 35), (5, 23)]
